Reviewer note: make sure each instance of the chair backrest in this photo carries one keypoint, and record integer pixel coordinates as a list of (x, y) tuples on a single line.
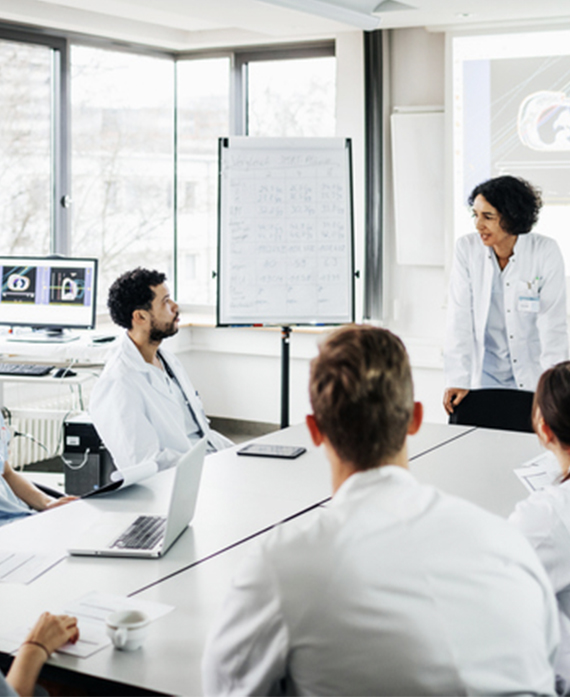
[(505, 409)]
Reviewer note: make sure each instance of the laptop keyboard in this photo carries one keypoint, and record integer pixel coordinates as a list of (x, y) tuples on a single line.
[(144, 533)]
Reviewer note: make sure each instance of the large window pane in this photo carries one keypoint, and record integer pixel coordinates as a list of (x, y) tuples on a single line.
[(203, 116), (292, 97), (122, 161), (25, 148)]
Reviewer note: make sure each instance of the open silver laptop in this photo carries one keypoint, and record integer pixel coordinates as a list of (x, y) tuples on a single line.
[(148, 536)]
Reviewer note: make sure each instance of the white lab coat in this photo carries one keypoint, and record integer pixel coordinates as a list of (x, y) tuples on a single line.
[(544, 517), (534, 288), (394, 589), (135, 415)]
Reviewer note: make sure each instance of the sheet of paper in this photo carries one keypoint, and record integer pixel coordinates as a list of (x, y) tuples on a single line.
[(91, 611), (96, 606), (132, 475), (93, 638), (540, 472), (11, 640), (25, 567)]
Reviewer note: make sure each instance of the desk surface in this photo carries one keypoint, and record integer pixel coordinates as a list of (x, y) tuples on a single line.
[(83, 350), (479, 467), (240, 498), (80, 376), (476, 464)]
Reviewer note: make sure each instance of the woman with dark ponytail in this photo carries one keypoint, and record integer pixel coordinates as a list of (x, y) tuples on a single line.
[(544, 517)]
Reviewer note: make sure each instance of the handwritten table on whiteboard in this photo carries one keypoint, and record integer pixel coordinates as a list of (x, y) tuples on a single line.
[(285, 232)]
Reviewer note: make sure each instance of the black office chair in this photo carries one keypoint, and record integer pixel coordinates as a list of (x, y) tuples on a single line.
[(504, 409)]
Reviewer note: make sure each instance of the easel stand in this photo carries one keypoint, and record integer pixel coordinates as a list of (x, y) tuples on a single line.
[(285, 338)]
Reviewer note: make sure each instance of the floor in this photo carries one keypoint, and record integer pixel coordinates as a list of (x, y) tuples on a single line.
[(241, 430)]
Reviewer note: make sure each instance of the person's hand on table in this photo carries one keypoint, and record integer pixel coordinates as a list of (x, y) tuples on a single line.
[(452, 397), (60, 502), (48, 634), (52, 631)]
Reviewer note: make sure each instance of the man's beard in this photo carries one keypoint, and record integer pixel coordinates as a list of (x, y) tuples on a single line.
[(157, 333)]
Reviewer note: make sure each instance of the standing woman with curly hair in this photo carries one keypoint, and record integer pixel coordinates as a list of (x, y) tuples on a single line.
[(507, 297)]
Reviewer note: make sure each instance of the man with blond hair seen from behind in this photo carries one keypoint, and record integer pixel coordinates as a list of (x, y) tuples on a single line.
[(394, 588)]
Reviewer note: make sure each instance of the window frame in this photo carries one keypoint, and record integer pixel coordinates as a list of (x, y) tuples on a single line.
[(240, 72), (60, 152)]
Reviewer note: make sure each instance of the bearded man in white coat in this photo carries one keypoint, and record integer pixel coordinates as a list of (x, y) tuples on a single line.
[(144, 406), (393, 588)]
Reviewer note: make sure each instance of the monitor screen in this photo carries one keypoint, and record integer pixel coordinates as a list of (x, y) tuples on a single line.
[(48, 292)]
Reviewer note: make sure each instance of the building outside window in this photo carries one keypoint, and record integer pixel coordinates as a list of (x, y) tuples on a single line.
[(143, 142), (291, 97), (203, 115), (25, 147), (122, 139)]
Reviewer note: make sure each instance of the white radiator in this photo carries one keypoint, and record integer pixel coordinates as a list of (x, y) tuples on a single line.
[(45, 426), (41, 417)]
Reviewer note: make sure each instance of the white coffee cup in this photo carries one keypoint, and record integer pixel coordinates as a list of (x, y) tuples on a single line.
[(127, 628)]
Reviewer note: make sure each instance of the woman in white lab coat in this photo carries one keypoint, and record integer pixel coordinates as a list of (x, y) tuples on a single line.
[(544, 517), (507, 296)]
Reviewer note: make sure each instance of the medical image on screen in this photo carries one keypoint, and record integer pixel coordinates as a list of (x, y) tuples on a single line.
[(19, 284), (67, 285), (530, 133), (517, 118)]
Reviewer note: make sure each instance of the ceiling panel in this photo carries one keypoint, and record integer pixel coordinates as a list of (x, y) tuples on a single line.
[(195, 24)]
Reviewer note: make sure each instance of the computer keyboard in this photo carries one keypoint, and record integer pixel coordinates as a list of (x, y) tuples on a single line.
[(25, 370), (144, 533)]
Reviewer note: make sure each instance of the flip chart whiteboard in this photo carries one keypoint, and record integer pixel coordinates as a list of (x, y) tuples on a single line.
[(285, 233)]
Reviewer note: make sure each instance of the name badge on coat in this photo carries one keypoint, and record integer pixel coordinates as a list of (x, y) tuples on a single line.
[(529, 303), (529, 296)]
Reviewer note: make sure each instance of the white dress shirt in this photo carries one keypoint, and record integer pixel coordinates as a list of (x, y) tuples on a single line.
[(138, 413), (544, 517), (497, 366), (534, 293), (396, 589)]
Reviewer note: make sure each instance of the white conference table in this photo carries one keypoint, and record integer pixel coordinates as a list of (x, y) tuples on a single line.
[(479, 467), (240, 498), (476, 464)]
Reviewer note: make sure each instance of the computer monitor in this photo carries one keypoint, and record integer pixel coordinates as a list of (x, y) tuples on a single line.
[(50, 295)]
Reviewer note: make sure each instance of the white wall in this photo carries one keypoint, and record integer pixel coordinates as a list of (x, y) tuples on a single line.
[(237, 371), (415, 295)]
